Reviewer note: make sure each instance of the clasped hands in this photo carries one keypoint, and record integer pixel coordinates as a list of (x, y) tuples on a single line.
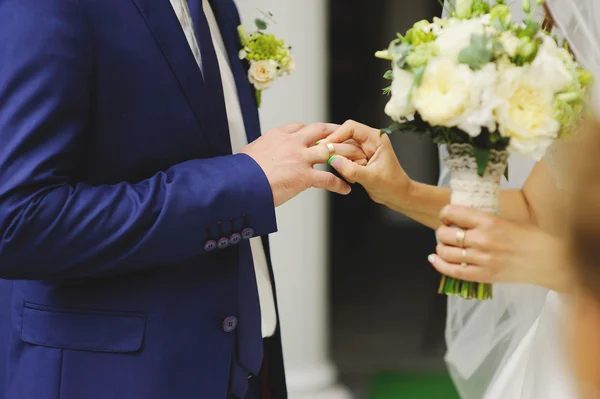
[(287, 156), (493, 250)]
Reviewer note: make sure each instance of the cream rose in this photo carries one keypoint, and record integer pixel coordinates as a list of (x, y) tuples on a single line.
[(262, 74), (399, 108), (525, 114), (452, 95), (484, 100), (554, 66)]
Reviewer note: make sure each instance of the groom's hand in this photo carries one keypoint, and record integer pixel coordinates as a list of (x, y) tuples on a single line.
[(287, 156)]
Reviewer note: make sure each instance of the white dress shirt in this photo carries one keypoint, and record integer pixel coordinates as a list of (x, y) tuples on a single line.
[(237, 132)]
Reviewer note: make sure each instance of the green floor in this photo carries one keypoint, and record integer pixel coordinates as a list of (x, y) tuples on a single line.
[(411, 386)]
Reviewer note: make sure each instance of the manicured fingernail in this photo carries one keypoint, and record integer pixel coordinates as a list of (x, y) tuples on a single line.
[(431, 259), (335, 162)]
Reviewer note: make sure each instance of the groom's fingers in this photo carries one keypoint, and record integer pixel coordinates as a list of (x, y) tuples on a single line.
[(320, 153), (293, 127), (369, 139), (328, 181), (317, 131)]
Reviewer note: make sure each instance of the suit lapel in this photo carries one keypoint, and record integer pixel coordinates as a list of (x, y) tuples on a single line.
[(228, 18), (169, 36)]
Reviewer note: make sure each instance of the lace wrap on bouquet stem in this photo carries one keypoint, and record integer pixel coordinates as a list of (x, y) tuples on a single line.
[(470, 189), (479, 192)]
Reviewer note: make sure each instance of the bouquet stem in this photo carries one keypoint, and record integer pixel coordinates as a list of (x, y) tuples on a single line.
[(465, 289), (480, 191)]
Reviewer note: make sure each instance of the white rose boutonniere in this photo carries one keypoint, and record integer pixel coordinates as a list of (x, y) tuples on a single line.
[(262, 74), (269, 57)]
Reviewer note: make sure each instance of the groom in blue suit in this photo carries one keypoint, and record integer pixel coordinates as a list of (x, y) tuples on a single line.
[(128, 263)]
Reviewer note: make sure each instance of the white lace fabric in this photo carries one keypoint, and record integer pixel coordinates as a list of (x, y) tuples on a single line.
[(470, 189)]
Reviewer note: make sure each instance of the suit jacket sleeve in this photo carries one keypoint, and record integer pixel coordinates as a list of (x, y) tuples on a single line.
[(54, 226)]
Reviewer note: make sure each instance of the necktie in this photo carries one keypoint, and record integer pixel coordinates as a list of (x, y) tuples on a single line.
[(227, 15), (210, 72), (248, 333)]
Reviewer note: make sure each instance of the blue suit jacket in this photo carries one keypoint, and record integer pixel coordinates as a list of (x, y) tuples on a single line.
[(112, 177)]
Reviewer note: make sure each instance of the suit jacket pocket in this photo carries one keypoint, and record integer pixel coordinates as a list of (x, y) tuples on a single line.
[(83, 329)]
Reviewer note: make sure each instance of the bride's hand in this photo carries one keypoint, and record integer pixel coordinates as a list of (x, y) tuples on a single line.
[(382, 177), (498, 250)]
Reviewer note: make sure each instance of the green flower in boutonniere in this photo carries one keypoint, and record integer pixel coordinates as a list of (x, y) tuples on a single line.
[(269, 57)]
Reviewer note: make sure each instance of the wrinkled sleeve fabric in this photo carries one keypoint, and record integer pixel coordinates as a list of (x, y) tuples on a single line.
[(55, 226)]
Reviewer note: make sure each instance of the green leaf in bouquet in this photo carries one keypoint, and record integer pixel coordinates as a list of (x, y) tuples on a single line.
[(497, 47), (418, 76), (479, 53), (527, 51), (394, 127), (388, 75), (399, 38), (530, 30), (482, 157), (260, 24), (398, 53), (387, 91), (498, 25)]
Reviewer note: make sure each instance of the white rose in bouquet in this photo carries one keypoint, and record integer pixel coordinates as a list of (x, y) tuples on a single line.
[(451, 95), (485, 100), (526, 114), (554, 65), (399, 107)]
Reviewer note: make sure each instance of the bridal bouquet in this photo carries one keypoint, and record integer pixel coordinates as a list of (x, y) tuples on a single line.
[(484, 85)]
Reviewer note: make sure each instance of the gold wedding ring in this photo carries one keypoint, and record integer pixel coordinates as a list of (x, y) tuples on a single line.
[(463, 264), (460, 238), (331, 149)]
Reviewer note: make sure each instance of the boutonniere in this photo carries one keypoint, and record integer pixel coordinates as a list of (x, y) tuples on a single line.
[(269, 57)]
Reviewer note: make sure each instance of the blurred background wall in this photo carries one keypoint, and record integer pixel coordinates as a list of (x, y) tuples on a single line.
[(360, 314)]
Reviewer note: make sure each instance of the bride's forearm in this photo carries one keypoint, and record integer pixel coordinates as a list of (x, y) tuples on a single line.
[(424, 202), (421, 202), (515, 206)]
